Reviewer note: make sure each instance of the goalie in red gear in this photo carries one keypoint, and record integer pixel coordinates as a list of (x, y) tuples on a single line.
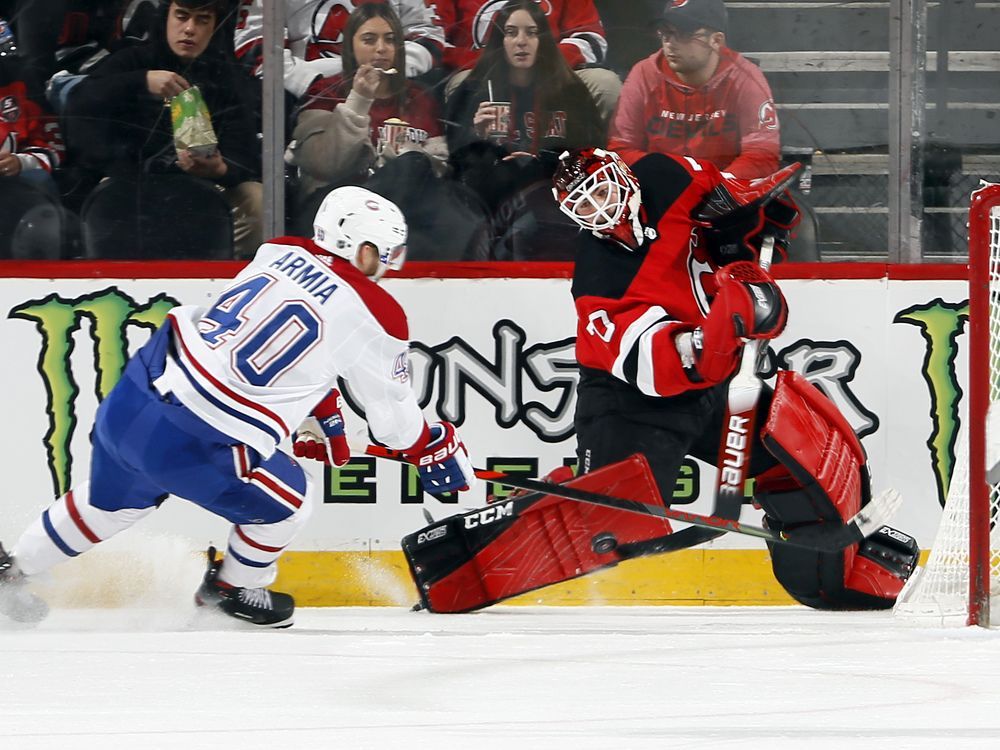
[(666, 292)]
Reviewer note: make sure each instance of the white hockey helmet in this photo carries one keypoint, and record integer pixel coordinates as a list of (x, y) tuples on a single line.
[(349, 216)]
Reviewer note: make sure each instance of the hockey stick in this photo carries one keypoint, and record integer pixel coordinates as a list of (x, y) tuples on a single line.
[(825, 536), (739, 423)]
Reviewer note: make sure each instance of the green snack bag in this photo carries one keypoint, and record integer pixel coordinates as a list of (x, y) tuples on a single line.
[(192, 123)]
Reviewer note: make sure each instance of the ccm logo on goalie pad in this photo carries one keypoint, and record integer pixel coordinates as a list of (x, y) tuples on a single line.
[(892, 533), (430, 535), (735, 456), (490, 515), (441, 453)]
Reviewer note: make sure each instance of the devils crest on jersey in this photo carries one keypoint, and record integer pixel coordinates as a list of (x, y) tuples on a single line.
[(328, 24), (481, 22)]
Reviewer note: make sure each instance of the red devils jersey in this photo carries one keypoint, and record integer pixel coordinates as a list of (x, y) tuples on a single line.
[(575, 25), (730, 121), (631, 305), (26, 129)]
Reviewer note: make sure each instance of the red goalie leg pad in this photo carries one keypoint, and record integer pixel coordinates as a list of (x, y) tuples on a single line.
[(824, 478), (478, 558), (818, 447)]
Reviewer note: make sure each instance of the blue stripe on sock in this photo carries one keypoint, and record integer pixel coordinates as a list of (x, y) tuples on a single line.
[(246, 560), (56, 539)]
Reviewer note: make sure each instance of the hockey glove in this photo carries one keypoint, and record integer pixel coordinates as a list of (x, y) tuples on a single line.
[(321, 434), (442, 462), (749, 304), (738, 213)]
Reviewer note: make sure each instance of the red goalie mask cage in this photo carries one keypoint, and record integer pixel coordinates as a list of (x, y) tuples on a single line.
[(962, 574)]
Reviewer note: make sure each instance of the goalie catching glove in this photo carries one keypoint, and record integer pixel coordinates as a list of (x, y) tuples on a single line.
[(749, 304), (442, 461), (738, 213), (321, 434)]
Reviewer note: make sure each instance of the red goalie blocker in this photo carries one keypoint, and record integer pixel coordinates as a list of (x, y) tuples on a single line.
[(469, 561), (823, 477)]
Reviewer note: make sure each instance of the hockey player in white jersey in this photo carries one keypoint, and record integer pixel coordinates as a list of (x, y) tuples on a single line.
[(201, 408)]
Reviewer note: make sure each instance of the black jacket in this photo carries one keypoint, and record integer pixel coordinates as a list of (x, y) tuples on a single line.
[(545, 129), (118, 128)]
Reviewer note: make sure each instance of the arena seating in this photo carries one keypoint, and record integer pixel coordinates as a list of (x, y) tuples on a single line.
[(157, 216)]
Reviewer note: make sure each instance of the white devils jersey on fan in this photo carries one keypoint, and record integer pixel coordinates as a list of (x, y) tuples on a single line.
[(257, 362)]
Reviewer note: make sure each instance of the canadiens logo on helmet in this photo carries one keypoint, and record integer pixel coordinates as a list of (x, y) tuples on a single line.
[(678, 3)]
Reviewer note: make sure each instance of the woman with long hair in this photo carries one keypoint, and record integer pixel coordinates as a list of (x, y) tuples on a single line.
[(520, 107), (353, 123), (544, 105)]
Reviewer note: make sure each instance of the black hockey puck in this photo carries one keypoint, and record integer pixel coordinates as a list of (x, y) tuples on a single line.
[(603, 543)]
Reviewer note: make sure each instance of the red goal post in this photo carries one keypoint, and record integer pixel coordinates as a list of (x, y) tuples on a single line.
[(962, 575)]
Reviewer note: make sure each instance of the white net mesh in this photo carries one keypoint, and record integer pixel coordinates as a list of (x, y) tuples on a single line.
[(939, 593)]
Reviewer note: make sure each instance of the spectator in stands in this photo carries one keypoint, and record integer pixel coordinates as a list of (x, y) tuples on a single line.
[(121, 122), (63, 39), (696, 96), (340, 132), (31, 149), (31, 145), (370, 125), (520, 107), (314, 34), (575, 24)]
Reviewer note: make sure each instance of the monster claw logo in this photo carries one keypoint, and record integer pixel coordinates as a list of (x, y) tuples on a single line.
[(940, 324), (109, 312)]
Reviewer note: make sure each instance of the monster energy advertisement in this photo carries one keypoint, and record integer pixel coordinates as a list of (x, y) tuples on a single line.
[(496, 357)]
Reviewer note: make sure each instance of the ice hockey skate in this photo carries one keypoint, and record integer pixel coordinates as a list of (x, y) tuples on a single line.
[(16, 602), (261, 606)]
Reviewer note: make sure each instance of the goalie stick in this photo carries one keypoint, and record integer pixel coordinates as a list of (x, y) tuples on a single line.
[(825, 536), (741, 416)]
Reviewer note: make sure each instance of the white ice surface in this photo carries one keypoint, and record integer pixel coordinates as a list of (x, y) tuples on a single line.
[(507, 677)]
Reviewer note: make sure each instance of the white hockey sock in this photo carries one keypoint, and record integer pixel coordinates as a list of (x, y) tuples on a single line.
[(70, 527), (254, 549)]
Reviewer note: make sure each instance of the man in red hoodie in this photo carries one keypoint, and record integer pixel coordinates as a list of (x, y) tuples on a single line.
[(697, 97)]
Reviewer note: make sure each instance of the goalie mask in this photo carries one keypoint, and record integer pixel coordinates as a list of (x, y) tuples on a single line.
[(350, 216), (598, 191)]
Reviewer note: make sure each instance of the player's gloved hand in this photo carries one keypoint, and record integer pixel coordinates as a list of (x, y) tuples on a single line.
[(781, 216), (738, 236), (749, 304), (321, 435), (442, 462), (737, 213)]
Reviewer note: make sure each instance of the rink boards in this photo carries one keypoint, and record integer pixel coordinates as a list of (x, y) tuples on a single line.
[(493, 352)]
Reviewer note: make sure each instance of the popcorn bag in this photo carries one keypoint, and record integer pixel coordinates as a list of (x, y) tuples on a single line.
[(192, 123)]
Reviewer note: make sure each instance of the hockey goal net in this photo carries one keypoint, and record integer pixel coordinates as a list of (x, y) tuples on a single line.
[(961, 578)]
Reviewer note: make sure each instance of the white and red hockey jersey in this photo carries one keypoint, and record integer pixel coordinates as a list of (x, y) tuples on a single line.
[(575, 24), (314, 35), (257, 362), (27, 131)]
